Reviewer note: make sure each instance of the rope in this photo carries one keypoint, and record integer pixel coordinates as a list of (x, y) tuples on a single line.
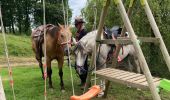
[(45, 54), (71, 73), (67, 12), (95, 18), (7, 57)]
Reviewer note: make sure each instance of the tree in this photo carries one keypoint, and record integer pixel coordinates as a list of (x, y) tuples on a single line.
[(22, 15), (54, 12)]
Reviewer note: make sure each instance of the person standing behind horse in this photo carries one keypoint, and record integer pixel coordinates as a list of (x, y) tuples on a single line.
[(81, 32)]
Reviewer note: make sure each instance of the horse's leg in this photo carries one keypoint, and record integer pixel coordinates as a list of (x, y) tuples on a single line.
[(60, 66), (130, 66), (38, 54), (138, 69), (39, 59), (49, 72)]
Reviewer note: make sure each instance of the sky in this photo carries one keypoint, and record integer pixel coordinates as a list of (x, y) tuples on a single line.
[(76, 6)]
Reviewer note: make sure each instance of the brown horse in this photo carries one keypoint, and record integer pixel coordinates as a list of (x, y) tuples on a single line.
[(56, 40)]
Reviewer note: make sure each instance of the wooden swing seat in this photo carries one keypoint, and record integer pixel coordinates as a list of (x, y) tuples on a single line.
[(94, 90), (127, 78)]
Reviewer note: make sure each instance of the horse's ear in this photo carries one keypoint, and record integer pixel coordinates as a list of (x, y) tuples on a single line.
[(59, 25)]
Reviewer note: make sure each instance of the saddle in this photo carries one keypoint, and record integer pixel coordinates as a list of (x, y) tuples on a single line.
[(39, 31), (38, 36), (115, 30)]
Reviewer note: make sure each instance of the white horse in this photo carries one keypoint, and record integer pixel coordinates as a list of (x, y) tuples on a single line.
[(86, 46)]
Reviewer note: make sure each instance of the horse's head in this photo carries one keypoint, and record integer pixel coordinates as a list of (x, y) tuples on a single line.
[(65, 37), (82, 49), (80, 57)]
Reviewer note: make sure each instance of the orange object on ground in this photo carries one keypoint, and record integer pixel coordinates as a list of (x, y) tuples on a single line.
[(88, 95)]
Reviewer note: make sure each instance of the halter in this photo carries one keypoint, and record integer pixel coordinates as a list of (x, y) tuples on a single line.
[(69, 42)]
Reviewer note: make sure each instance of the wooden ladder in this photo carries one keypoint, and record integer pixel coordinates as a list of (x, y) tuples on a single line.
[(2, 93), (120, 76)]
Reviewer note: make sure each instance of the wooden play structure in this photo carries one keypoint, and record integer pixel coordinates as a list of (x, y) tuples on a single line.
[(2, 93), (127, 78), (145, 81), (88, 95)]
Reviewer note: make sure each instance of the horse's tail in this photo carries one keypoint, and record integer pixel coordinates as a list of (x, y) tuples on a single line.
[(39, 42)]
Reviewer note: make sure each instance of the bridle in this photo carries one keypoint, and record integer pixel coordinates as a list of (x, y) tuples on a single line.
[(63, 43), (69, 42)]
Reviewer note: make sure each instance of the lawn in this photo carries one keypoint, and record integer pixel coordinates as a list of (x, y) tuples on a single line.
[(17, 45), (29, 85)]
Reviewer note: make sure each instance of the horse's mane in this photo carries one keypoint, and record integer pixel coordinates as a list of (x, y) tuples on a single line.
[(89, 36)]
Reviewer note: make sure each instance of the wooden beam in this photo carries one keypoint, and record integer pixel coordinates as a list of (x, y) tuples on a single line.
[(138, 49), (118, 41), (149, 39), (114, 61), (143, 39), (99, 32), (125, 40), (156, 32), (2, 93)]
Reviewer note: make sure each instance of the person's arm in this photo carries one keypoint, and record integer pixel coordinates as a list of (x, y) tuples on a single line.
[(74, 41)]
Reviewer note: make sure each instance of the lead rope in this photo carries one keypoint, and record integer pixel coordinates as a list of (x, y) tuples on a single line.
[(95, 17), (7, 56), (71, 74), (45, 54)]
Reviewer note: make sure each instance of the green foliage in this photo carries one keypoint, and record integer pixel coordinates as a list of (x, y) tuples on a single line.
[(141, 26), (21, 15), (54, 13), (17, 45)]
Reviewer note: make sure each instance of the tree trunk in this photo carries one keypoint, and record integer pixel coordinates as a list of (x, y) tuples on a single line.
[(27, 24)]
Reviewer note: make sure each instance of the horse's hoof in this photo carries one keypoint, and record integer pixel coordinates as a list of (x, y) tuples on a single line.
[(100, 94)]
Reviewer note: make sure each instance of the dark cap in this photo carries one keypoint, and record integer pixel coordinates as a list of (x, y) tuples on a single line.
[(78, 20)]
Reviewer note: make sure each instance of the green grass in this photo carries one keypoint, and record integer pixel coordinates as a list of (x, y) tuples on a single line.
[(30, 86), (17, 45)]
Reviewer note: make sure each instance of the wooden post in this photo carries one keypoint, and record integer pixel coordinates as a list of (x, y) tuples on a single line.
[(131, 5), (88, 80), (101, 23), (99, 33), (114, 62), (2, 93), (102, 18), (140, 55), (156, 32)]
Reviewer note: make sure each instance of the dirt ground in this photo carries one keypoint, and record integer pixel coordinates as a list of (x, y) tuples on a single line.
[(18, 61)]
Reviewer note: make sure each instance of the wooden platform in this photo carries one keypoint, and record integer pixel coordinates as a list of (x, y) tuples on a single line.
[(2, 94), (126, 78), (125, 40)]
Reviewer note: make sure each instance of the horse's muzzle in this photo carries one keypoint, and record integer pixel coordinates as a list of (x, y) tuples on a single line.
[(66, 51), (80, 70)]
